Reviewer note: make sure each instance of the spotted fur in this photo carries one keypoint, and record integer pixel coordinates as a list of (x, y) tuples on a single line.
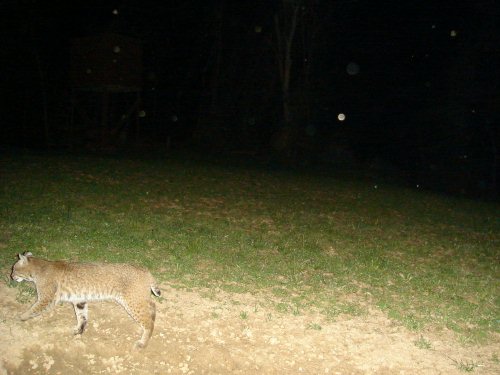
[(78, 283)]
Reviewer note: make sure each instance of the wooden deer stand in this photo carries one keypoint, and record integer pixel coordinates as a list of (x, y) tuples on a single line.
[(106, 85)]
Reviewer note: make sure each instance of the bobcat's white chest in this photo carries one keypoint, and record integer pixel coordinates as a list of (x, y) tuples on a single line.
[(87, 296)]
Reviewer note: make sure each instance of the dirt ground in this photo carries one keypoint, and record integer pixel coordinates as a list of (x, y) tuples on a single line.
[(228, 334)]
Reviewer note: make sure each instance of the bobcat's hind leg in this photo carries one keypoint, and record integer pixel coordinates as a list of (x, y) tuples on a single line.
[(147, 322), (144, 313), (81, 312)]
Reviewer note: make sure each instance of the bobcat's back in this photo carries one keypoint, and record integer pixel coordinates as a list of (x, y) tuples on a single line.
[(89, 281)]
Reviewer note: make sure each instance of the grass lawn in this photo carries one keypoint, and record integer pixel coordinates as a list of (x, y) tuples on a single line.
[(301, 241)]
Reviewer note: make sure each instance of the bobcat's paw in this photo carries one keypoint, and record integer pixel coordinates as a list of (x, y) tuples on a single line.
[(25, 316), (79, 329), (139, 345)]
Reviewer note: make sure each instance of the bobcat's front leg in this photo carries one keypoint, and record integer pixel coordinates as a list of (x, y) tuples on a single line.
[(45, 302), (81, 312), (38, 308)]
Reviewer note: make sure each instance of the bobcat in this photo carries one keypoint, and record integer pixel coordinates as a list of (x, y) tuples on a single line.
[(78, 283)]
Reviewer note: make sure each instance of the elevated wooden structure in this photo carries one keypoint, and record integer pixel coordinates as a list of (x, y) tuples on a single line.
[(106, 84)]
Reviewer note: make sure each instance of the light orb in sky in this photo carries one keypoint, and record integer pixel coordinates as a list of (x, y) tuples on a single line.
[(341, 117), (116, 49), (453, 33), (352, 68), (115, 12)]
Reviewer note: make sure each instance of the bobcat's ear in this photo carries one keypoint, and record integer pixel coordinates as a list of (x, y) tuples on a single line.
[(24, 257)]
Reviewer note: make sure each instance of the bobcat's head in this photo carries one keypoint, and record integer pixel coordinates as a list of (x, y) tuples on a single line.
[(21, 270)]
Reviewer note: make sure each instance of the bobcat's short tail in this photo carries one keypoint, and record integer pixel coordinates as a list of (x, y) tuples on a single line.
[(156, 291)]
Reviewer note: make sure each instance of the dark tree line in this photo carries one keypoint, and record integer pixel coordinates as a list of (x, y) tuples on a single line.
[(268, 78)]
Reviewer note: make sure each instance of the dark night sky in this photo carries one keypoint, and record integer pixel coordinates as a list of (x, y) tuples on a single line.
[(417, 86), (395, 42), (390, 39)]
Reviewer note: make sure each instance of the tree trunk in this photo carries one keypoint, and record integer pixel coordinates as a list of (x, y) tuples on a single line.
[(45, 100), (285, 27)]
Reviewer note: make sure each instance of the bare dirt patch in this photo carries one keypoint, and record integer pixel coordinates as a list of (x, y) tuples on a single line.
[(227, 334)]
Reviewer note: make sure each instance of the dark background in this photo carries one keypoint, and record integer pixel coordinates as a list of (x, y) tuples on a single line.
[(423, 107)]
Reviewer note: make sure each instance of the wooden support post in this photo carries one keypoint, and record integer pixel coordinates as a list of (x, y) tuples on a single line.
[(71, 134), (104, 117), (138, 106)]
